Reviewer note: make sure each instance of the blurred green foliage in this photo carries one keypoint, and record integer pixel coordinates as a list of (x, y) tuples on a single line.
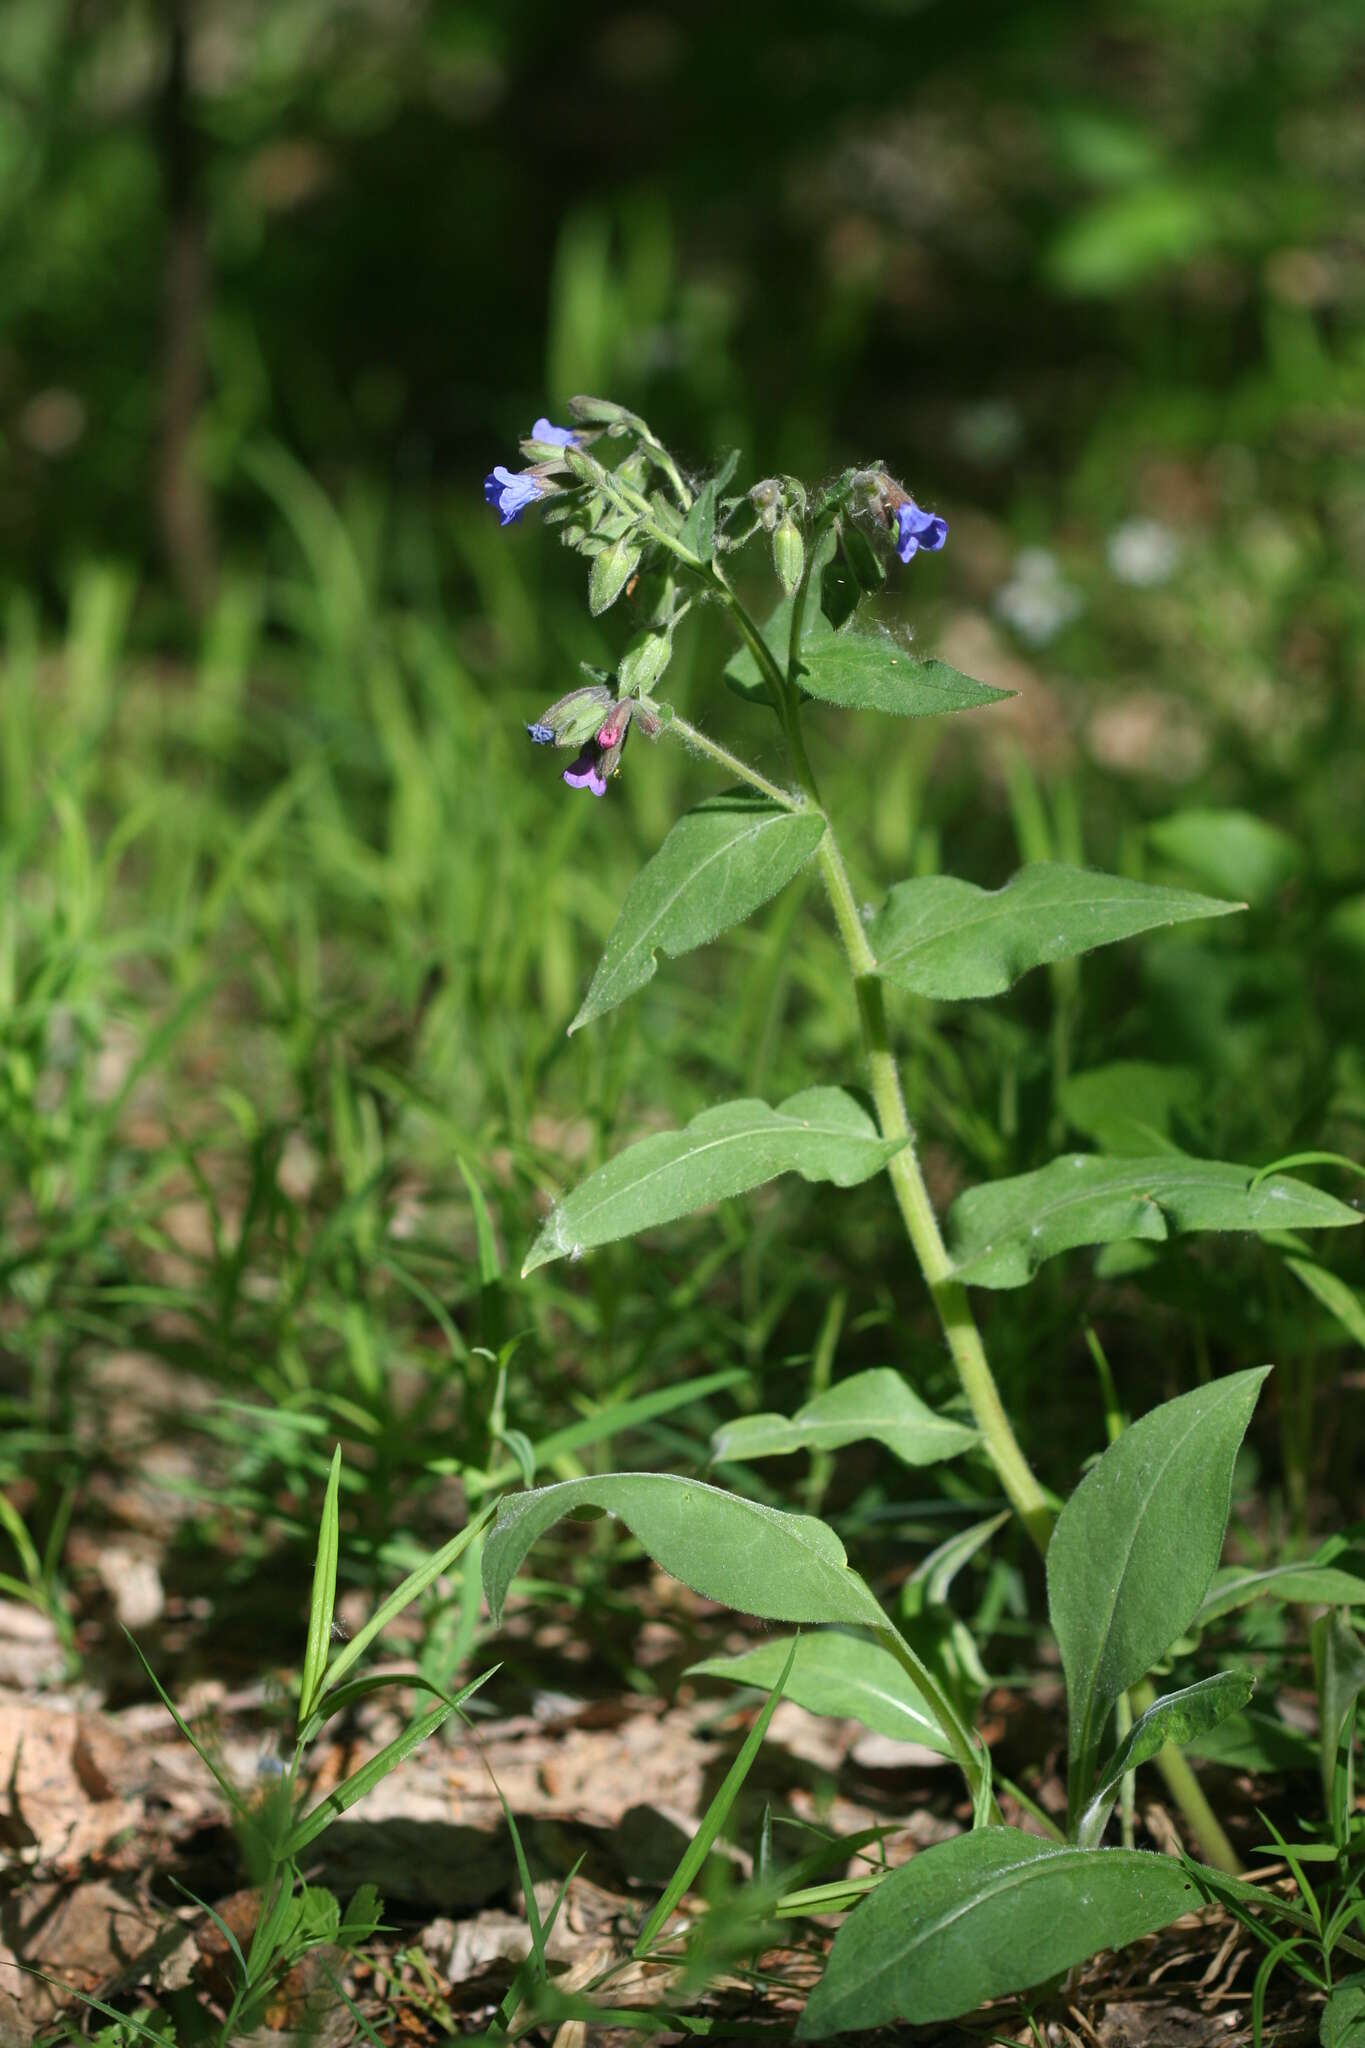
[(294, 919)]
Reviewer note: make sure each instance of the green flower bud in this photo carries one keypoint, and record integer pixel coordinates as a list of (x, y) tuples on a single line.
[(766, 499), (789, 556), (611, 572), (602, 411), (644, 661), (572, 719)]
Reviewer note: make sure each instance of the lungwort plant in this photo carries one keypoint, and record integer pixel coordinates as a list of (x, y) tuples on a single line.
[(1132, 1559)]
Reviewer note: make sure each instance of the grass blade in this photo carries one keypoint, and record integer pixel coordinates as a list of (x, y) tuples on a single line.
[(362, 1781), (415, 1583), (324, 1594), (713, 1820)]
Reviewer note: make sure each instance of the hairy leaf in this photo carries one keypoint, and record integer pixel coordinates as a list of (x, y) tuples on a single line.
[(1300, 1585), (869, 672), (949, 939), (751, 1557), (984, 1914), (718, 864), (1001, 1233), (844, 1675), (1177, 1717), (1135, 1547), (876, 1404), (822, 1134), (863, 671)]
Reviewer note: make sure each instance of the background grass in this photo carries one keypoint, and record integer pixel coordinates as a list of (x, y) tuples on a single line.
[(292, 919)]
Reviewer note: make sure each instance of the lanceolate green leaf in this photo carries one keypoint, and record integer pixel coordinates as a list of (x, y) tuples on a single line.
[(1135, 1547), (987, 1913), (1000, 1234), (751, 1557), (1301, 1585), (1339, 1663), (949, 939), (872, 672), (822, 1134), (1331, 1290), (864, 671), (876, 1404), (715, 868), (1343, 2018), (844, 1675), (1178, 1717)]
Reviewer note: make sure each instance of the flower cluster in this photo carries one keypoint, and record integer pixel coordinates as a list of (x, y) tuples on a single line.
[(512, 490), (635, 519), (595, 722)]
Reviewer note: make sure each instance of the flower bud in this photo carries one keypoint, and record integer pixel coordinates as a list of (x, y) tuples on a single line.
[(572, 719), (582, 466), (651, 718), (611, 572), (602, 411), (644, 661), (766, 499), (789, 555)]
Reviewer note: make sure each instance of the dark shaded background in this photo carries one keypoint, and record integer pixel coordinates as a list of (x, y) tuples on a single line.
[(1021, 251)]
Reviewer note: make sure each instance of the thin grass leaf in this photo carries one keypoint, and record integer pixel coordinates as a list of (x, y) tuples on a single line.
[(414, 1584), (713, 1820), (225, 1785), (362, 1781), (323, 1602), (221, 1924), (346, 1696), (12, 1523), (485, 1239), (1340, 1300), (826, 1898), (111, 2012)]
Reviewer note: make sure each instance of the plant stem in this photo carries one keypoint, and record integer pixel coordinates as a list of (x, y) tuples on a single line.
[(1024, 1493), (692, 737), (1016, 1476)]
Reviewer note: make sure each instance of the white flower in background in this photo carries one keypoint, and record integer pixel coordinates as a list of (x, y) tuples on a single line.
[(1037, 601), (1143, 552)]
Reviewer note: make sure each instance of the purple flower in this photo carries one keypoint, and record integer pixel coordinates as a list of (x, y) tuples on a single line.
[(512, 492), (601, 757), (916, 529), (542, 734), (554, 437), (584, 774)]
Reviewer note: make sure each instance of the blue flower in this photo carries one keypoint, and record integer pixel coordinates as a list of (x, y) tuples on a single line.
[(512, 492), (554, 437), (542, 734), (916, 529)]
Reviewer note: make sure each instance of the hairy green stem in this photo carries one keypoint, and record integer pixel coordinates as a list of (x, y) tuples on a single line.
[(1024, 1493), (691, 736), (949, 1296)]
